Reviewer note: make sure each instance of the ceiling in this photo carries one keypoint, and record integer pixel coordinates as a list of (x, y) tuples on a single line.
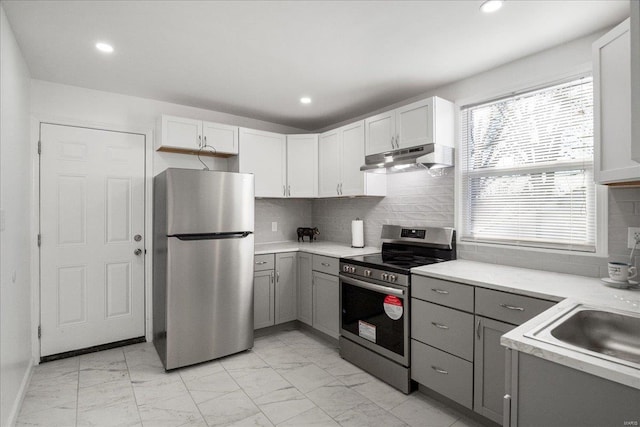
[(256, 59)]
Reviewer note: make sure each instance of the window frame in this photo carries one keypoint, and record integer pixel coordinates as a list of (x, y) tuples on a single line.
[(600, 192)]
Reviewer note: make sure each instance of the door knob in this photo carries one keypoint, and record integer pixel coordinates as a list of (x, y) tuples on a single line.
[(137, 251), (137, 237)]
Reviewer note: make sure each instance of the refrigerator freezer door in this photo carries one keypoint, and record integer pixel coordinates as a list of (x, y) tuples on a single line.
[(209, 299), (208, 201)]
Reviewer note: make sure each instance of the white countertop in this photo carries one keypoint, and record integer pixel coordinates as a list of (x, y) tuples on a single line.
[(567, 288), (331, 249)]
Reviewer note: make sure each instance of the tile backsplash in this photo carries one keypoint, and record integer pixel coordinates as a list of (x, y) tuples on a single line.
[(419, 199)]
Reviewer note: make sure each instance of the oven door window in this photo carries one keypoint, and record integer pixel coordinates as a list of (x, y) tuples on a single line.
[(374, 316)]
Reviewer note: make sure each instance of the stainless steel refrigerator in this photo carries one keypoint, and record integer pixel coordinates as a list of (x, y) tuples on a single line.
[(203, 223)]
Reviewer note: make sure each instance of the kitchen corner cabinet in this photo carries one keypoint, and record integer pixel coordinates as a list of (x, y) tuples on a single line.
[(422, 122), (612, 108), (319, 293), (302, 165), (340, 155), (274, 289), (286, 303), (305, 288), (184, 135), (263, 154)]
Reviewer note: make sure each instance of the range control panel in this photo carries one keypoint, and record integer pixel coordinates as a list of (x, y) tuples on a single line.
[(413, 233)]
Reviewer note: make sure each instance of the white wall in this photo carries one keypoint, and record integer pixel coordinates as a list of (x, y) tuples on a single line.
[(15, 239), (71, 104)]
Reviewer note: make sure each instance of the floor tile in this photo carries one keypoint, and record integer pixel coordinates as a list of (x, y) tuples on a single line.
[(336, 398), (290, 378)]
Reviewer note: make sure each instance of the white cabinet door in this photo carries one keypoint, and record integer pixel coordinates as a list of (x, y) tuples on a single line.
[(223, 138), (352, 182), (302, 165), (329, 161), (381, 132), (305, 288), (286, 292), (612, 107), (264, 154), (414, 124), (326, 304), (181, 133), (263, 299)]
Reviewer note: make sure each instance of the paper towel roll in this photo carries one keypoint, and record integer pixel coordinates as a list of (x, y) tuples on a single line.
[(357, 233)]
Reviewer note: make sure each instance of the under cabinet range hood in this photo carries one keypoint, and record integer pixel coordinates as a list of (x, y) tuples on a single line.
[(425, 156)]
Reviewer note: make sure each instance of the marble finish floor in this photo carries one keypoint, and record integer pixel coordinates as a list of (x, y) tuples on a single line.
[(290, 378)]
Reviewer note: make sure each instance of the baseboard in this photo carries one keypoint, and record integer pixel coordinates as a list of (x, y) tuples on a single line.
[(17, 404)]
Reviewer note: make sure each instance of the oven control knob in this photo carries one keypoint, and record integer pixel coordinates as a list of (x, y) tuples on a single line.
[(345, 268), (392, 278), (352, 269), (367, 273), (384, 276)]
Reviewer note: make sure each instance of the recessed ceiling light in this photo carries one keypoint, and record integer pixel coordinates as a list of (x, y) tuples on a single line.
[(490, 6), (305, 100), (104, 47)]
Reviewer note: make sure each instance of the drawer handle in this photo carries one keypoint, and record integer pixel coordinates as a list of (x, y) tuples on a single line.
[(438, 370), (261, 262), (324, 264), (440, 291), (439, 325), (512, 307)]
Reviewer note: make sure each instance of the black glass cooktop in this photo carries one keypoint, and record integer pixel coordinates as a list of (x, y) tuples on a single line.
[(401, 258)]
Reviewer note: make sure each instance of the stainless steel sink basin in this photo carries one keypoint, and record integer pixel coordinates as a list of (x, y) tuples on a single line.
[(608, 334)]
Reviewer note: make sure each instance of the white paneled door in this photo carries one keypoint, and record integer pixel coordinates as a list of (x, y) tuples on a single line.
[(92, 228)]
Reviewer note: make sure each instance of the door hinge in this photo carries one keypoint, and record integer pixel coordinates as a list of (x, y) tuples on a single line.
[(39, 331), (39, 239), (39, 147)]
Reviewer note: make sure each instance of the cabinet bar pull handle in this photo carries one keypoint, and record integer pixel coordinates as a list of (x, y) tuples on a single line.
[(478, 328), (199, 141), (261, 262), (325, 264), (439, 325), (288, 190), (440, 291), (284, 190), (338, 189), (438, 370), (278, 276), (205, 140), (512, 307)]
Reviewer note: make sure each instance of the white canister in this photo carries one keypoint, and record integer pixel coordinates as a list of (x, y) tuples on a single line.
[(357, 233)]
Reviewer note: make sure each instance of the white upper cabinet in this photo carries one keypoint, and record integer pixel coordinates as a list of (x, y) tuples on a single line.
[(340, 155), (422, 122), (612, 108), (635, 79), (264, 154), (302, 165), (179, 134)]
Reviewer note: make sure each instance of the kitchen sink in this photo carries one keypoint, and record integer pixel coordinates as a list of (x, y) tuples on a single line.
[(604, 333)]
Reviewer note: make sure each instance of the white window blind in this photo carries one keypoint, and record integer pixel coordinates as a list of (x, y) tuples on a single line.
[(527, 169)]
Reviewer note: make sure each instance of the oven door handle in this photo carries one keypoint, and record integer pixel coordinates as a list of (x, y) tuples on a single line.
[(373, 287)]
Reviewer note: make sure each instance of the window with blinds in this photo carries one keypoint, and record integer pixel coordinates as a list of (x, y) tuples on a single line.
[(527, 169)]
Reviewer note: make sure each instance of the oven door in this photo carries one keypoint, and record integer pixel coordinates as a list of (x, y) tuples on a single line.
[(376, 316)]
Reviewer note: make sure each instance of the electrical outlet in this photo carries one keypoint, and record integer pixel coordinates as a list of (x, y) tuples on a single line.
[(274, 226), (633, 236)]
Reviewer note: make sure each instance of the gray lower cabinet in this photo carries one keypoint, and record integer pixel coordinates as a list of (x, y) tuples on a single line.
[(489, 373), (547, 394), (263, 299), (326, 303), (305, 288), (286, 300)]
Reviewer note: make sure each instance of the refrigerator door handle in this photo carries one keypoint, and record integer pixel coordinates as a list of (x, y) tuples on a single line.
[(212, 236)]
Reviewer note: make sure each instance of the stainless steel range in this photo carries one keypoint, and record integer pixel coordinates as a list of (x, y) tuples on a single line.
[(375, 295)]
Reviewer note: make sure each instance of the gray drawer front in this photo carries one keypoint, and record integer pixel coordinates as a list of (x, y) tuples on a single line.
[(326, 264), (442, 292), (442, 372), (441, 327), (510, 308), (263, 262)]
